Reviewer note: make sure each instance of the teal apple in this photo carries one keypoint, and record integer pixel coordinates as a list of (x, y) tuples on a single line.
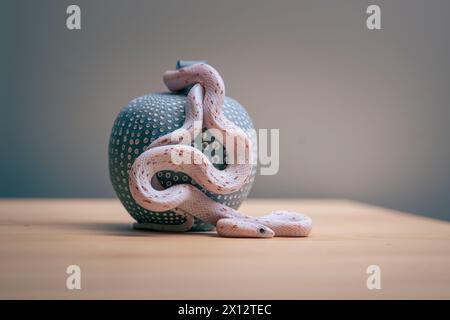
[(142, 121)]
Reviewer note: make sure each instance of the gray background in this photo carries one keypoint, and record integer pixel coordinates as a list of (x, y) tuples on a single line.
[(363, 114)]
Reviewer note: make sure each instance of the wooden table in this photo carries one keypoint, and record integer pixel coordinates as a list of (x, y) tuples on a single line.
[(40, 238)]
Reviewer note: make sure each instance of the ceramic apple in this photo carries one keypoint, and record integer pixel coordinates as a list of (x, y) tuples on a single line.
[(142, 121)]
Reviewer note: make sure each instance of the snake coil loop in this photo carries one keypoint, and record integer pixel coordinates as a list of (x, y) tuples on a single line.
[(204, 104)]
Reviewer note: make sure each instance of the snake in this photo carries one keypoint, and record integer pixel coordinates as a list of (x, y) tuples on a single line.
[(205, 99)]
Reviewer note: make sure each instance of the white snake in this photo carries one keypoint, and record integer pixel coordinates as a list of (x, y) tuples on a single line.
[(204, 103)]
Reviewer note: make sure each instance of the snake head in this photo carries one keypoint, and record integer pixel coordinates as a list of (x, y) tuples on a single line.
[(243, 228)]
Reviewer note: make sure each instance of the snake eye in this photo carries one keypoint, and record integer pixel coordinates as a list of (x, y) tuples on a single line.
[(262, 230)]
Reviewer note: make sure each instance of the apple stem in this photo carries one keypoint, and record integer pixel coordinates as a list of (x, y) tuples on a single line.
[(185, 63)]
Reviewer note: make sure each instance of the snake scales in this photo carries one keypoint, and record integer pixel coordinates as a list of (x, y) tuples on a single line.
[(204, 104)]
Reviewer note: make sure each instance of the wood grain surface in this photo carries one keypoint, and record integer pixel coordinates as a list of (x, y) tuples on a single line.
[(40, 238)]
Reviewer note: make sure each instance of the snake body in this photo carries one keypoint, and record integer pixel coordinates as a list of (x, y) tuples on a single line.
[(204, 103)]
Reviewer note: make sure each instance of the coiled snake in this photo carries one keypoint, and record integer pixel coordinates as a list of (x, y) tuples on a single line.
[(204, 104)]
